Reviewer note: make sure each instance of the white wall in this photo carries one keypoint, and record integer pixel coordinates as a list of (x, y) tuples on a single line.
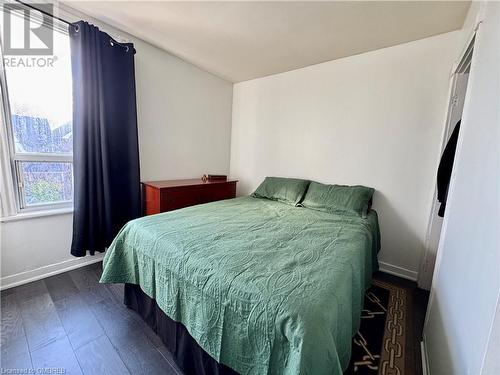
[(491, 364), (184, 117), (184, 121), (36, 247), (374, 119), (459, 332)]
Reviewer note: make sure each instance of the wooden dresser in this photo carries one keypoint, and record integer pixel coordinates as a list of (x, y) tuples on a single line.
[(162, 196)]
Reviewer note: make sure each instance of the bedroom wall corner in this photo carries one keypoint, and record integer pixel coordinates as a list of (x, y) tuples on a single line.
[(374, 119)]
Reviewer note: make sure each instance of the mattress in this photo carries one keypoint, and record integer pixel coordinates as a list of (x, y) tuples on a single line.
[(263, 287)]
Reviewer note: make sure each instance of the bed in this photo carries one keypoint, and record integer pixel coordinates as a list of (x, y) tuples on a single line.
[(261, 286)]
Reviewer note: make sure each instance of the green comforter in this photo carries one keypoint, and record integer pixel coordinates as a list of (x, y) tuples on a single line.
[(263, 287)]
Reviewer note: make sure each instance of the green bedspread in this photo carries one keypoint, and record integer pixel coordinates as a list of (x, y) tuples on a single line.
[(263, 287)]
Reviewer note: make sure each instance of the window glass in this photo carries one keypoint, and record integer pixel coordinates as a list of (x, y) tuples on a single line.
[(39, 97), (41, 101), (46, 182)]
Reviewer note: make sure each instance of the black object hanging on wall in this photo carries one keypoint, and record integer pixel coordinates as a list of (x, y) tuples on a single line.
[(105, 143), (445, 169)]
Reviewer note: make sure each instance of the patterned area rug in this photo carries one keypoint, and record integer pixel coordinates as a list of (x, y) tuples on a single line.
[(379, 345)]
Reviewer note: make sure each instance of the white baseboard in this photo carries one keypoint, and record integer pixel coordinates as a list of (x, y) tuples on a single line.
[(46, 271), (398, 271), (423, 352)]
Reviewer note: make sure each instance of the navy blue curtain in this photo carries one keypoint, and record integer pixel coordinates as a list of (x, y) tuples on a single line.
[(105, 144)]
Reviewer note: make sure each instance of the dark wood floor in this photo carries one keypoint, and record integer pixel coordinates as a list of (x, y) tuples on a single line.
[(71, 322)]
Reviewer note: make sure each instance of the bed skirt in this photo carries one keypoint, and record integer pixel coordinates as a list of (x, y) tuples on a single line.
[(188, 355)]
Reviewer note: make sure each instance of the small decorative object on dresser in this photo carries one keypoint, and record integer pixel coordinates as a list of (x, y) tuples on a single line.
[(214, 177), (162, 196)]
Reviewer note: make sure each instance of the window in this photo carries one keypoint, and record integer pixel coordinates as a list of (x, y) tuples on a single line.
[(38, 107)]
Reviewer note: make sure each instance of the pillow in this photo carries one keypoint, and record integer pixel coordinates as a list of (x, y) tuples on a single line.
[(285, 190), (338, 198)]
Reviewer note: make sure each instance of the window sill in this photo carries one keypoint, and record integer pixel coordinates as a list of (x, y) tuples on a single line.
[(36, 214)]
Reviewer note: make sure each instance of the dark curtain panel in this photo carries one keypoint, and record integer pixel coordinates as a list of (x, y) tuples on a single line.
[(105, 144)]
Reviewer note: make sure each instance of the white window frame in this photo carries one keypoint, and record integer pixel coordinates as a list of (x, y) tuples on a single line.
[(16, 158)]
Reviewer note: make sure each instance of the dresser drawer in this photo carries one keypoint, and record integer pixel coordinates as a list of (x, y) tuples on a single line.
[(217, 193), (175, 199)]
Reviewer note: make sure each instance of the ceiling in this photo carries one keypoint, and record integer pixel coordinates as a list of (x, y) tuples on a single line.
[(239, 41)]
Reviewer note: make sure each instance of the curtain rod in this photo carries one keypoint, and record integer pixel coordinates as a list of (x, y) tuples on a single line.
[(44, 12), (112, 41)]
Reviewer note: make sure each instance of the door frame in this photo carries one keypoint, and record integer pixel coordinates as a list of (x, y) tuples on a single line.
[(428, 258)]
